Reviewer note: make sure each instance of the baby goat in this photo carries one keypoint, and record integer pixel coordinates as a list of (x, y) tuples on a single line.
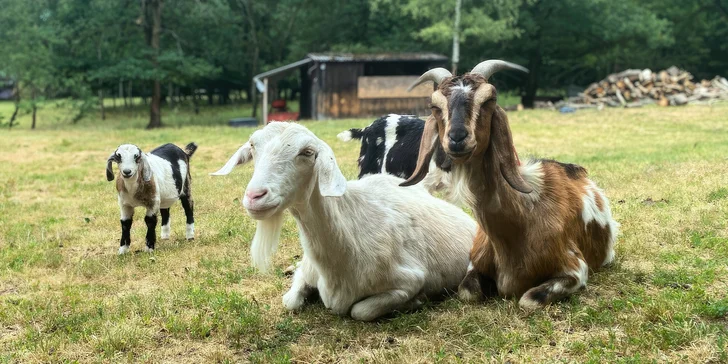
[(154, 181), (391, 143), (369, 246), (544, 224)]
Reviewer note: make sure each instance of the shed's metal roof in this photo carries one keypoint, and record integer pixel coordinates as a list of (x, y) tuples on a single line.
[(375, 57), (348, 57)]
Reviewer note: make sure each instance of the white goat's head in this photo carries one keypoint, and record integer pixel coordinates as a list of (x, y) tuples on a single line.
[(130, 160), (466, 121), (289, 162)]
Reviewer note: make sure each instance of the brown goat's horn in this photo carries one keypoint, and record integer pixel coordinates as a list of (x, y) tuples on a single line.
[(490, 67), (435, 75)]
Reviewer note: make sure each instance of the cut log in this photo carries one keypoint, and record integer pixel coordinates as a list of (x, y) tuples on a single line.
[(678, 99)]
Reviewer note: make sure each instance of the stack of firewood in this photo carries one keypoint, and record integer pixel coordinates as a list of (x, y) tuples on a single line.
[(634, 88)]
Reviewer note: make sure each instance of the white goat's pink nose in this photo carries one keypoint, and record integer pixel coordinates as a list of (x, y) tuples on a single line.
[(256, 194)]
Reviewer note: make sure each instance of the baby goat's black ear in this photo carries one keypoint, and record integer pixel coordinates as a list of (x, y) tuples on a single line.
[(109, 171)]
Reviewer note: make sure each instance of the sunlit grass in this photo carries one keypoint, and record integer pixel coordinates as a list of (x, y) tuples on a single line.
[(65, 295)]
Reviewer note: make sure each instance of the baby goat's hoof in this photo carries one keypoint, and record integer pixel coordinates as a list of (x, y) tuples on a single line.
[(165, 232), (123, 249), (148, 249), (190, 233)]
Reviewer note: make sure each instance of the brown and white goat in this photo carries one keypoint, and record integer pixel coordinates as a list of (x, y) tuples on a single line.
[(543, 225)]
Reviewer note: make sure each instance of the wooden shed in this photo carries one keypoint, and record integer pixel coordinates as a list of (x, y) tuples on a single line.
[(340, 85)]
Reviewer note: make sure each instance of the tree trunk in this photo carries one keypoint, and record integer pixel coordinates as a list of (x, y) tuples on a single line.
[(35, 108), (534, 65), (170, 95), (155, 114), (131, 95), (16, 90), (195, 100), (256, 50), (101, 104), (121, 91)]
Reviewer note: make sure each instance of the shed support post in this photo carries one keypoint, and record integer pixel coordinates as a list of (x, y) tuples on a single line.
[(265, 101)]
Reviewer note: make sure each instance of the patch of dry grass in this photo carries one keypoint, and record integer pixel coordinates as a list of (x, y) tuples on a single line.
[(64, 294)]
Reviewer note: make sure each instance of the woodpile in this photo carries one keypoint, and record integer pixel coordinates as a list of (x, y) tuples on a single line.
[(634, 88)]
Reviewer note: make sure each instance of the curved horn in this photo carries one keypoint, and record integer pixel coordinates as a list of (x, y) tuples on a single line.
[(490, 67), (435, 75)]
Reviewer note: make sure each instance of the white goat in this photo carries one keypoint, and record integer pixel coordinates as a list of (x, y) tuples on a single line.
[(370, 247), (155, 181)]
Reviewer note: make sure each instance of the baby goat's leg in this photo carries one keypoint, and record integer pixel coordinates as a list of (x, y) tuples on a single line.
[(188, 204), (558, 287), (304, 285), (165, 223), (405, 297), (151, 220), (127, 215)]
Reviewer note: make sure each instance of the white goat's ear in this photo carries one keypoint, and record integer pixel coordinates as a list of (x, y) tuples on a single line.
[(146, 169), (242, 156), (330, 179)]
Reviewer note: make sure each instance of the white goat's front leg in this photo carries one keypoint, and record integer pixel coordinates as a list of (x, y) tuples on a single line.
[(127, 215), (405, 297), (305, 279)]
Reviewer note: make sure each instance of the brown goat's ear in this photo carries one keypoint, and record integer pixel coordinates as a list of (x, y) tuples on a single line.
[(430, 139), (502, 143), (109, 171)]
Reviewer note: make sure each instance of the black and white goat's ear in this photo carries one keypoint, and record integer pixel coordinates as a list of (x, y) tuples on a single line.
[(331, 181), (109, 170), (146, 168), (242, 156)]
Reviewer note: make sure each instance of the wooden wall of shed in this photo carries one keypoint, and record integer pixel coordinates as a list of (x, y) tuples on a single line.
[(378, 107), (334, 95), (337, 96)]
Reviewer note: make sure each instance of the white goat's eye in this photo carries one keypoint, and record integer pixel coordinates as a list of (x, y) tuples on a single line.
[(306, 152)]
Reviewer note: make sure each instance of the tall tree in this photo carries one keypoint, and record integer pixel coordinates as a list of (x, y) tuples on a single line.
[(152, 23)]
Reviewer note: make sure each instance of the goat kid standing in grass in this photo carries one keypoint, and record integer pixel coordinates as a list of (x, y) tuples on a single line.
[(155, 181), (369, 246), (543, 224)]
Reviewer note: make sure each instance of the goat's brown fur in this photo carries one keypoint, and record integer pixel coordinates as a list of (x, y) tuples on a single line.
[(146, 190), (534, 240)]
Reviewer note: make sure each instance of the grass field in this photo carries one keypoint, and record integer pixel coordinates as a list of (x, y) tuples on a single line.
[(66, 295)]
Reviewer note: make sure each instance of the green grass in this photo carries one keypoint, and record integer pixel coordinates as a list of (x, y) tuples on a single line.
[(66, 296)]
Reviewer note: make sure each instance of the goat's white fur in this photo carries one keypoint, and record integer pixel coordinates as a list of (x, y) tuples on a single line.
[(369, 246)]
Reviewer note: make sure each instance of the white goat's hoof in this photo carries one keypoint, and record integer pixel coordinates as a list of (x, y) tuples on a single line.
[(123, 249), (148, 249), (293, 301), (362, 313)]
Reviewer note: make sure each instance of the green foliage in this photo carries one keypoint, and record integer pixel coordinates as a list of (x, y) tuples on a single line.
[(73, 49)]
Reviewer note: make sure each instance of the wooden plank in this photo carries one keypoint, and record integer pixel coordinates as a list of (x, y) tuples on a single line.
[(391, 87)]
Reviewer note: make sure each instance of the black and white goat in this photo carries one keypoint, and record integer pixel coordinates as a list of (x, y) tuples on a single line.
[(155, 181), (391, 144)]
